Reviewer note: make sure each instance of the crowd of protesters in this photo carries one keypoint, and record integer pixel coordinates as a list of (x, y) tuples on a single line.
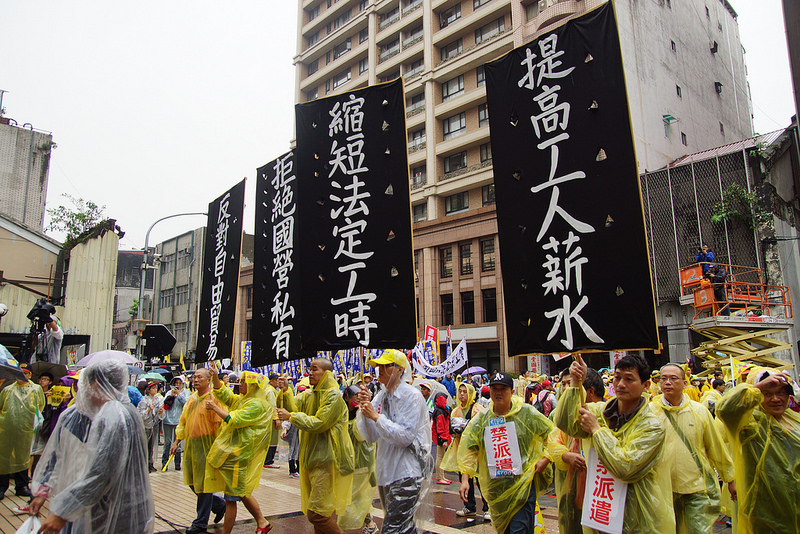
[(688, 448)]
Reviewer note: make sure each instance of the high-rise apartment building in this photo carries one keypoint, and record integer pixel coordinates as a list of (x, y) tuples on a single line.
[(686, 82)]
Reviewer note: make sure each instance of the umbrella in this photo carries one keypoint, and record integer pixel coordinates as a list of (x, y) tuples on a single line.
[(9, 368), (474, 370), (160, 370), (106, 355), (153, 376), (55, 369), (133, 370)]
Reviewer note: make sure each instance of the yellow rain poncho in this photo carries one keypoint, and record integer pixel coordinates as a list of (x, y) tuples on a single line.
[(197, 428), (272, 398), (633, 454), (238, 453), (707, 449), (364, 480), (507, 495), (326, 452), (570, 483), (450, 459), (710, 399), (18, 405), (766, 453)]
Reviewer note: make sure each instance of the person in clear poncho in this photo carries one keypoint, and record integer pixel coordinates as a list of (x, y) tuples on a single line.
[(19, 403), (512, 499), (326, 452), (629, 440), (94, 468), (357, 515), (697, 452), (765, 439), (236, 458)]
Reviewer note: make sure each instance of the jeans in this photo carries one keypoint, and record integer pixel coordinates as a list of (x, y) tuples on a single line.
[(207, 503), (470, 504), (169, 439), (151, 439), (524, 520), (20, 481)]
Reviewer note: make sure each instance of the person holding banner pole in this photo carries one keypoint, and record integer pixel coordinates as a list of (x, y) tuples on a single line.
[(504, 446), (628, 438)]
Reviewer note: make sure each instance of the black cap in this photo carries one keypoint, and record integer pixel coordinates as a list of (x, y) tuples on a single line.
[(502, 378), (273, 376)]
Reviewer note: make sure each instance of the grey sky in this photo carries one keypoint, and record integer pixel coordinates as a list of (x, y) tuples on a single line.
[(158, 107)]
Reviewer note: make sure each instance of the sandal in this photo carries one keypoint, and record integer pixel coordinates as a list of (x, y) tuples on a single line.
[(264, 529)]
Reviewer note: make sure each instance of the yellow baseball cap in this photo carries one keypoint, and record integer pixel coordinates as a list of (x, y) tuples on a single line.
[(390, 356)]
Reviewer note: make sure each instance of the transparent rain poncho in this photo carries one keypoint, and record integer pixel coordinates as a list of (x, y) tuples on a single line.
[(450, 459), (570, 483), (766, 455), (634, 454), (507, 495), (94, 468), (18, 404), (236, 457), (364, 481), (697, 425), (326, 452), (198, 427)]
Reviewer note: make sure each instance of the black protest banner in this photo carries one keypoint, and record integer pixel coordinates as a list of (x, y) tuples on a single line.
[(220, 276), (276, 275), (354, 248), (573, 249)]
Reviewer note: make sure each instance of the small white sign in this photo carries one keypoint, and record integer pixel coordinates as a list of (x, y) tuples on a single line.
[(604, 498), (502, 448)]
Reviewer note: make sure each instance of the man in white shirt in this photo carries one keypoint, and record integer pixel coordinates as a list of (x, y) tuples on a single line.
[(397, 419), (48, 342)]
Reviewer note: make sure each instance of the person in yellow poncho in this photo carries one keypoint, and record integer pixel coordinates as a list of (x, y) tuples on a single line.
[(326, 452), (655, 387), (711, 398), (512, 499), (466, 408), (765, 439), (197, 427), (628, 438), (569, 459), (236, 457), (272, 395), (357, 515), (697, 450), (19, 403)]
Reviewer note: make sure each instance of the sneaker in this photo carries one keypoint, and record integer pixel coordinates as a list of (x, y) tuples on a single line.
[(24, 491), (177, 468), (443, 482), (219, 516), (370, 528), (19, 510), (487, 516), (294, 475), (273, 466), (464, 512)]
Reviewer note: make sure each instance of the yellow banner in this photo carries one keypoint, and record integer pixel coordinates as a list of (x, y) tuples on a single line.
[(57, 395)]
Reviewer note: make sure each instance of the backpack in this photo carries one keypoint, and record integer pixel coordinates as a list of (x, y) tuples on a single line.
[(544, 405)]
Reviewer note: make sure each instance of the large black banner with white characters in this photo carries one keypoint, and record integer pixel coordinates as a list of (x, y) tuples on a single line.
[(573, 248), (276, 271), (220, 276), (354, 234)]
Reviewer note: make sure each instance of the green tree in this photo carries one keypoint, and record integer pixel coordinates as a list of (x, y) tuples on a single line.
[(82, 216), (134, 309), (739, 204)]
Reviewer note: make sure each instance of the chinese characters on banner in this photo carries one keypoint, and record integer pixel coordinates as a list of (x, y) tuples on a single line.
[(276, 278), (353, 221), (576, 272), (502, 448), (424, 366), (604, 498), (220, 276)]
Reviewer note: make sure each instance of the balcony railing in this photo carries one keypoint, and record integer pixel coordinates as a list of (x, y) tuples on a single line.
[(412, 7), (414, 109), (388, 22), (465, 170), (412, 40), (386, 54), (417, 144), (465, 50), (418, 183)]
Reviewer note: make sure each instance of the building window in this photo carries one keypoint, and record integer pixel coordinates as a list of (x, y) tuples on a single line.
[(417, 140), (390, 17), (313, 13), (673, 46), (418, 177), (390, 49), (486, 152), (532, 11), (483, 116), (363, 35), (684, 141), (467, 307), (184, 258), (449, 16), (363, 65), (420, 212), (454, 126), (678, 91), (416, 265), (341, 49), (181, 295), (456, 203), (249, 297), (447, 309), (341, 20), (489, 305), (179, 330), (415, 67), (313, 67), (487, 195), (453, 88), (165, 298), (478, 3), (480, 75), (488, 31), (451, 50), (445, 262), (722, 128), (361, 7), (168, 263), (341, 79), (413, 36), (455, 162), (312, 39), (312, 95), (487, 255), (465, 258)]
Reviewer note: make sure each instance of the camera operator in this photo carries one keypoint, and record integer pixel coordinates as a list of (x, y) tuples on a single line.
[(48, 342)]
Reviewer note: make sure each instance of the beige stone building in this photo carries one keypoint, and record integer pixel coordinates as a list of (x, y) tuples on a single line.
[(686, 81)]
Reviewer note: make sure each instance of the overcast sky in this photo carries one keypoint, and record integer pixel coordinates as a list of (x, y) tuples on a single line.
[(158, 107)]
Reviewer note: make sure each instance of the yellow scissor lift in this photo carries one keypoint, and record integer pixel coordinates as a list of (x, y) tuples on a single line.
[(738, 317)]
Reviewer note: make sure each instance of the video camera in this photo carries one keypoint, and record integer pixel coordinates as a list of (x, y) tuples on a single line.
[(40, 314)]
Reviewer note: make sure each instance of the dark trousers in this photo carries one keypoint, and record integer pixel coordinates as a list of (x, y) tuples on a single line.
[(270, 455), (524, 520), (207, 503), (294, 466), (470, 502), (400, 500), (20, 481)]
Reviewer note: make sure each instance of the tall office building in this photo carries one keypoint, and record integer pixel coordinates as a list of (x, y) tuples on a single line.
[(685, 73)]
